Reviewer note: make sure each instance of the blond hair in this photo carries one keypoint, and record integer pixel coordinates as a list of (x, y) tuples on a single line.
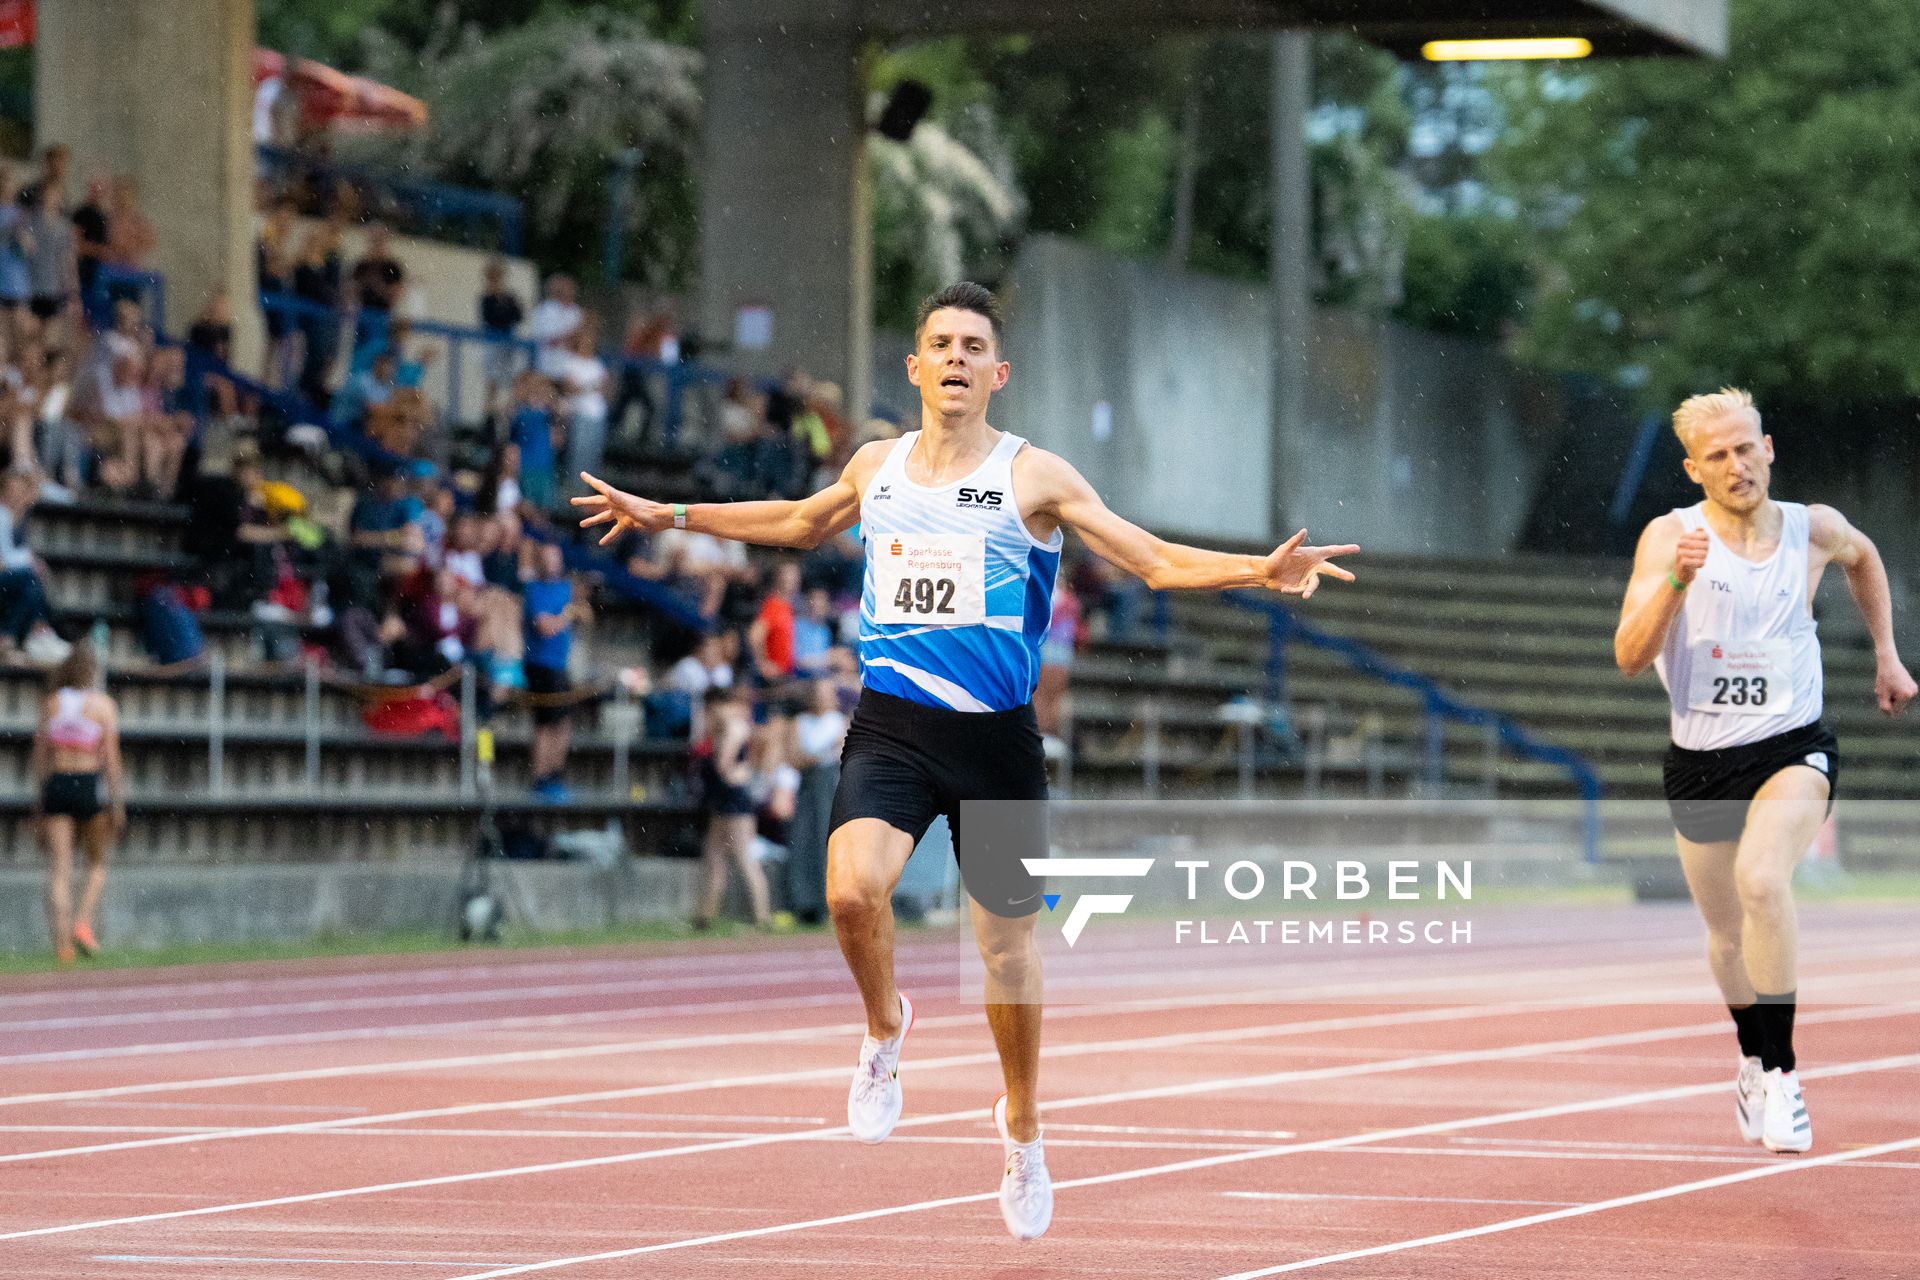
[(1698, 410)]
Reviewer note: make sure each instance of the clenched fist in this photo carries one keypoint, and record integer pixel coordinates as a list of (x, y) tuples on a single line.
[(1690, 555)]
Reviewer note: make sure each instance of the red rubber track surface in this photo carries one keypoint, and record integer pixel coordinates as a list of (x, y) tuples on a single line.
[(1557, 1104)]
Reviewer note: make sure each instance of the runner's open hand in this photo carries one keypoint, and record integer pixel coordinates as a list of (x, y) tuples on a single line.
[(1296, 570), (623, 510)]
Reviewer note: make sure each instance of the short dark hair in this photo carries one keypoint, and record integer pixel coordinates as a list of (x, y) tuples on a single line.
[(963, 296)]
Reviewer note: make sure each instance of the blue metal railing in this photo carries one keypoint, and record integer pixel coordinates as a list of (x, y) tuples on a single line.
[(1285, 627), (462, 341), (411, 204)]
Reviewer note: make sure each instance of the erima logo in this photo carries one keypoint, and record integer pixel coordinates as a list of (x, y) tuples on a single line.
[(989, 498), (881, 492), (1092, 904)]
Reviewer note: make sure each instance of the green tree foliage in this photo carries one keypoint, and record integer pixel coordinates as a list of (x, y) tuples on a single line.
[(1754, 220), (540, 111)]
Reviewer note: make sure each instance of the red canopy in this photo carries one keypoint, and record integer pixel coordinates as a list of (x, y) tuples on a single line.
[(333, 98)]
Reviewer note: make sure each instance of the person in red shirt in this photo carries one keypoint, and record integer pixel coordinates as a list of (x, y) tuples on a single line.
[(771, 637)]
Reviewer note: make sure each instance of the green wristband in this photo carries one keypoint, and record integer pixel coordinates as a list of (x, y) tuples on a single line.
[(1673, 580), (679, 515)]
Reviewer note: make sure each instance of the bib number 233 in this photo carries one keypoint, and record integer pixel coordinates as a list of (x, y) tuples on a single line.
[(930, 579), (1741, 678)]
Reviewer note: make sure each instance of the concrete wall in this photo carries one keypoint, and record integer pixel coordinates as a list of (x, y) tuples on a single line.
[(1417, 443), (162, 92)]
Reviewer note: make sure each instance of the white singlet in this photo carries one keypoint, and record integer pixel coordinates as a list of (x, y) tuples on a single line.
[(1742, 661)]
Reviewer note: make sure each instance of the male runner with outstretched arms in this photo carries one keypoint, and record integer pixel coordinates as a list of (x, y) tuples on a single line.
[(962, 528), (1721, 604)]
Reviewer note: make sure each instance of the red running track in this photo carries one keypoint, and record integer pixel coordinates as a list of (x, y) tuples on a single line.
[(1555, 1104)]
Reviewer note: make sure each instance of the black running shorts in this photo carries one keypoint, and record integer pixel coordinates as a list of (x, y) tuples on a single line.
[(905, 762), (72, 795), (1708, 791)]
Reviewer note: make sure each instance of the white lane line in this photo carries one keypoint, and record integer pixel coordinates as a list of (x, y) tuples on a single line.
[(1576, 1144), (310, 1109), (1328, 1195), (1183, 1166), (1193, 1087), (1771, 1170), (1181, 1039), (685, 1115), (196, 1260), (1392, 989), (1636, 1157), (1055, 1126)]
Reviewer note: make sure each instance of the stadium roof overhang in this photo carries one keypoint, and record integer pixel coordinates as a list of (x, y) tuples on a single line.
[(1615, 28)]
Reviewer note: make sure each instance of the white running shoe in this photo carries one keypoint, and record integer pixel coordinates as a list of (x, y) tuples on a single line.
[(1750, 1098), (1026, 1189), (1787, 1127), (874, 1101)]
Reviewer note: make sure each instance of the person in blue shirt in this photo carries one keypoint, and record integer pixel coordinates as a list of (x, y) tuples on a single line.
[(530, 425), (551, 611)]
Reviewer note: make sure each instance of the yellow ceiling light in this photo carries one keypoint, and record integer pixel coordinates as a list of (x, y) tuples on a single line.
[(1504, 50)]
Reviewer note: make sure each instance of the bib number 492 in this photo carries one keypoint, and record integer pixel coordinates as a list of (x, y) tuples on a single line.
[(924, 596)]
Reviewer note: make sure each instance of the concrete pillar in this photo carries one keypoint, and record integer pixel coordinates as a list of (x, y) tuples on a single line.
[(781, 168), (1290, 274), (162, 90)]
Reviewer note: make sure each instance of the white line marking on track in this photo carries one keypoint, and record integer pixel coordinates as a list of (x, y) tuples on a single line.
[(1328, 1195), (1183, 1166), (1055, 1126), (1770, 1170), (194, 1260), (1534, 1153), (1504, 1053)]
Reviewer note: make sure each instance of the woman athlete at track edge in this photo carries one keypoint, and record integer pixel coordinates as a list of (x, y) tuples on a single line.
[(962, 526), (79, 794)]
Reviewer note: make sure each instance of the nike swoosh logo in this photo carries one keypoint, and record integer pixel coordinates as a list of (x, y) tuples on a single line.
[(1014, 902)]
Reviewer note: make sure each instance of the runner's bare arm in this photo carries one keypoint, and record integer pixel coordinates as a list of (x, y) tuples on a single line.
[(804, 523), (1063, 495), (1854, 552), (1652, 601)]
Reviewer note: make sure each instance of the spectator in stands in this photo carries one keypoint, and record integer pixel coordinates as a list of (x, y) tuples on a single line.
[(274, 255), (62, 447), (52, 270), (813, 633), (227, 531), (553, 323), (583, 377), (379, 283), (130, 237), (79, 796), (742, 410), (378, 527), (364, 391), (425, 632), (500, 491), (726, 772), (709, 666), (530, 428), (52, 177), (500, 314), (701, 564), (775, 788), (15, 287), (316, 280), (210, 336), (649, 338), (26, 619), (843, 672), (165, 425), (1056, 660), (551, 611), (818, 733), (90, 227), (770, 639)]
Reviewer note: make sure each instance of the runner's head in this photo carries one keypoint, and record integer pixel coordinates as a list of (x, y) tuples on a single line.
[(956, 359), (1728, 454)]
